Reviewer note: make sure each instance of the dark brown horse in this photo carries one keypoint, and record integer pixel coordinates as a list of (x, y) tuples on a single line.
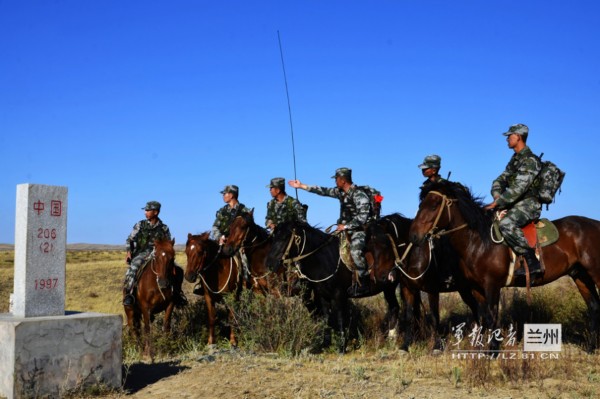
[(218, 273), (315, 254), (418, 268), (154, 292), (450, 209), (255, 241)]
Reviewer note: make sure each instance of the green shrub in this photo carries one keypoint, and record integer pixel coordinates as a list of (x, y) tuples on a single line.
[(269, 324)]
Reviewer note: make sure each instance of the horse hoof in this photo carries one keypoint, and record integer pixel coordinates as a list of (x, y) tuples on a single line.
[(403, 352), (436, 352)]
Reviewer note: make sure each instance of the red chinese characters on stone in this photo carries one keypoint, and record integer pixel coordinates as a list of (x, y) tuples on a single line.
[(55, 208)]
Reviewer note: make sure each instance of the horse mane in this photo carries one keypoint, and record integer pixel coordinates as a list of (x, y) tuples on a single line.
[(469, 205), (262, 233), (289, 225)]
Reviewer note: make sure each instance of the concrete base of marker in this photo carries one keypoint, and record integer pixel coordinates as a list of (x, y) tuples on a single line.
[(48, 356)]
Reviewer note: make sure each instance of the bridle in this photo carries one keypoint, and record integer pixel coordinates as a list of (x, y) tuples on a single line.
[(300, 243), (252, 244), (153, 260), (212, 262), (446, 204)]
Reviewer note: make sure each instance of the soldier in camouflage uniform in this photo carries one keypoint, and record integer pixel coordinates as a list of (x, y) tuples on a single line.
[(223, 219), (514, 192), (140, 245), (282, 208), (226, 214), (430, 168), (355, 211)]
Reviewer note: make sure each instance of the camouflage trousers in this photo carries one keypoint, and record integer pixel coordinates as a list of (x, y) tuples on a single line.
[(357, 251), (518, 216), (133, 268)]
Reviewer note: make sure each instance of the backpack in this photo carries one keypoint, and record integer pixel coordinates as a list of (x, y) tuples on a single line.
[(548, 181), (375, 199)]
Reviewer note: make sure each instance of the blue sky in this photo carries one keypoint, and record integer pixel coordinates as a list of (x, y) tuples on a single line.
[(129, 101)]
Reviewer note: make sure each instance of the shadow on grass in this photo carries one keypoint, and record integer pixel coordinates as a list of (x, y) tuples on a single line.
[(140, 375)]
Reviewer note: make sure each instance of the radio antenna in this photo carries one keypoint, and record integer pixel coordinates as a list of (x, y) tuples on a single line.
[(289, 107)]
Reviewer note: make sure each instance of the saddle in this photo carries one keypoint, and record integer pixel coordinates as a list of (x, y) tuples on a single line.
[(538, 234), (541, 233)]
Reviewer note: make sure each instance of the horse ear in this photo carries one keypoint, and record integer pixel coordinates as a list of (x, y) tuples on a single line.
[(189, 235), (173, 241), (251, 212)]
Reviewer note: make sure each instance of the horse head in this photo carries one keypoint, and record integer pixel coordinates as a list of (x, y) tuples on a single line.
[(283, 237), (446, 207), (164, 262), (386, 240), (238, 231), (200, 251)]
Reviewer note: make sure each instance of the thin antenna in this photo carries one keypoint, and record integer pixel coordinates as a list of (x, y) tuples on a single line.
[(289, 108)]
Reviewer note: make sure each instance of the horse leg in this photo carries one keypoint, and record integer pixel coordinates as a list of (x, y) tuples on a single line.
[(471, 302), (167, 318), (487, 311), (147, 338), (212, 317), (393, 310), (322, 312), (434, 308), (341, 313), (588, 291), (412, 310), (232, 338)]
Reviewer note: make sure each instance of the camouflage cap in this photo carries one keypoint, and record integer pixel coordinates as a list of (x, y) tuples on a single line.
[(431, 161), (343, 172), (519, 128), (277, 182), (231, 188), (152, 206)]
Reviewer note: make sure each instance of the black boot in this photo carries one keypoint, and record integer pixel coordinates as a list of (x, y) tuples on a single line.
[(360, 288), (532, 263), (128, 298), (178, 295)]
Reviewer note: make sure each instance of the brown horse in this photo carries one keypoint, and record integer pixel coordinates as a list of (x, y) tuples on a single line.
[(255, 241), (218, 274), (154, 292), (450, 209), (416, 268)]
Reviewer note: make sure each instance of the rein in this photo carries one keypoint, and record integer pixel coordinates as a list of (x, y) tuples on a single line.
[(253, 244), (295, 238), (226, 282), (210, 264), (399, 263)]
